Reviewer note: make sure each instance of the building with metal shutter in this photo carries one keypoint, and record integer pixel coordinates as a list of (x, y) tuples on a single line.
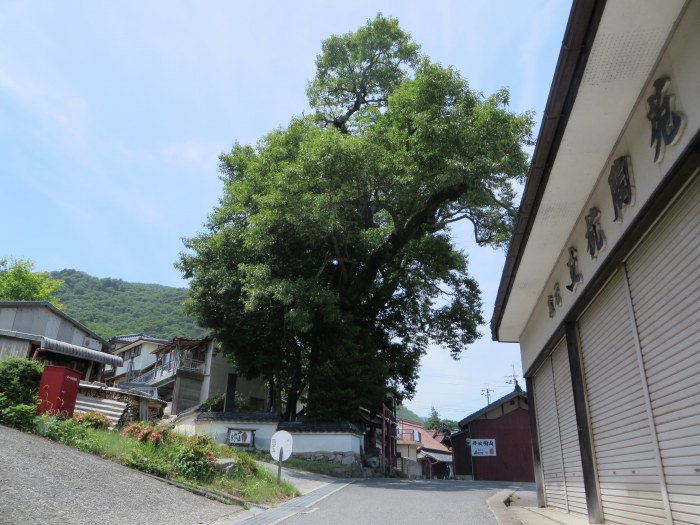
[(600, 286)]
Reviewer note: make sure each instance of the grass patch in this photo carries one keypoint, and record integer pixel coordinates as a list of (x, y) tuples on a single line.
[(326, 468), (188, 461)]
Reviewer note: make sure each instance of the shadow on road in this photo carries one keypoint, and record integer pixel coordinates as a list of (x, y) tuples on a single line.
[(439, 485)]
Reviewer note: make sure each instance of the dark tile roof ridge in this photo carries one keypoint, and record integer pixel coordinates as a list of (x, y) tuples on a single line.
[(328, 427), (518, 392), (258, 416)]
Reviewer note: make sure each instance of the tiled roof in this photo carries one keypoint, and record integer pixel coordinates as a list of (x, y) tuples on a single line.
[(437, 456), (237, 416), (518, 392), (132, 338), (427, 440), (318, 428), (182, 343)]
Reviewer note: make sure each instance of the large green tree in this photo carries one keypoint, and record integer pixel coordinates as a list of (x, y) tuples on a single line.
[(19, 282), (328, 266)]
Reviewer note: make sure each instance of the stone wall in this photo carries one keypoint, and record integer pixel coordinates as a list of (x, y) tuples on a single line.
[(349, 463)]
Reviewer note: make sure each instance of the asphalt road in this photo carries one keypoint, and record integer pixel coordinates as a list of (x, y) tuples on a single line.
[(42, 482), (403, 502)]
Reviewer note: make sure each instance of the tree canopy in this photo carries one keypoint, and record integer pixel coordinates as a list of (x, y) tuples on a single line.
[(19, 282), (328, 265), (435, 423)]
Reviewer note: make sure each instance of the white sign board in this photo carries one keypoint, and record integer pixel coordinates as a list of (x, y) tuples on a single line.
[(483, 447), (240, 437), (281, 441)]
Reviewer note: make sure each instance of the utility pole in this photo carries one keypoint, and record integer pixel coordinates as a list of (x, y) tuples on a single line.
[(487, 392), (513, 378)]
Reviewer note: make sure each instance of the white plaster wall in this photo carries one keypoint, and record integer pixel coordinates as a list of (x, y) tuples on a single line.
[(681, 62), (324, 442), (185, 424), (219, 430)]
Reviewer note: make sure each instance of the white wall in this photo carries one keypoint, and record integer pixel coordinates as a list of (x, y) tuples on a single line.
[(325, 442), (219, 430)]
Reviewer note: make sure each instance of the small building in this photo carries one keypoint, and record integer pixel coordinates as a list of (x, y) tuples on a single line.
[(38, 330), (420, 452), (187, 372), (505, 426), (601, 286), (138, 353)]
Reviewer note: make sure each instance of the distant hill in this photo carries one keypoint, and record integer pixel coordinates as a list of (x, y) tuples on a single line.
[(404, 413), (113, 307)]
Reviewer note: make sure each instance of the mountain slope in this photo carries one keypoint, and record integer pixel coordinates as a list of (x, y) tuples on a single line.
[(112, 307)]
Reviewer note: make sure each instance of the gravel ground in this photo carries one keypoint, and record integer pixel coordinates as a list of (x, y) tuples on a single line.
[(46, 482)]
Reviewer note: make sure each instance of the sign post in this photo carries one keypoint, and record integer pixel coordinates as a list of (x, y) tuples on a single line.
[(281, 449)]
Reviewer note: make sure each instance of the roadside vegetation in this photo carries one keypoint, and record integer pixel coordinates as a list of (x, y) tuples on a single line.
[(327, 468), (191, 462)]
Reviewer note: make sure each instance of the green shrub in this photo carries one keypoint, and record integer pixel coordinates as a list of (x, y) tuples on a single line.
[(21, 417), (93, 420), (214, 403), (19, 381), (146, 432), (67, 431), (147, 458), (193, 458)]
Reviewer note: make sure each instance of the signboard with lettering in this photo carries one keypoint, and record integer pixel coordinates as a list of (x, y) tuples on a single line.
[(483, 447), (281, 445), (241, 438)]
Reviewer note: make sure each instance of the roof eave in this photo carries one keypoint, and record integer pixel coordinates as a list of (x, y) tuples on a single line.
[(578, 39)]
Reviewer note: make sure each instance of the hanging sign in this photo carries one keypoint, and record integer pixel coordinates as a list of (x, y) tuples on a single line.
[(483, 447)]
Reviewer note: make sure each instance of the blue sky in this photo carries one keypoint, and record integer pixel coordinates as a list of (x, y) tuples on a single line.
[(113, 114)]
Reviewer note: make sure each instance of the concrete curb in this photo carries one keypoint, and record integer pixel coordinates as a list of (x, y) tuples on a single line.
[(499, 509)]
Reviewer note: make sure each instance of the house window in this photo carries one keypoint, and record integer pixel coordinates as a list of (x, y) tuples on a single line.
[(132, 352)]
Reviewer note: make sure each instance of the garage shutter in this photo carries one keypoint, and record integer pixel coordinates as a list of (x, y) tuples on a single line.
[(559, 447), (568, 430), (663, 275), (625, 453)]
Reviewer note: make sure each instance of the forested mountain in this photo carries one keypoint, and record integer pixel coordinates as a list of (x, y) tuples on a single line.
[(113, 307), (403, 412)]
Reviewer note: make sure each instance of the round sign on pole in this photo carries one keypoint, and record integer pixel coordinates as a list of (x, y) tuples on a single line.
[(281, 445)]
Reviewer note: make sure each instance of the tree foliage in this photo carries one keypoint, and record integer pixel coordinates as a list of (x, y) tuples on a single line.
[(19, 282), (328, 266), (435, 423), (19, 381)]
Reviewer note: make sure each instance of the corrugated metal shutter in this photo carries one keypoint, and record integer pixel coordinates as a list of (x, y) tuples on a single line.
[(568, 430), (550, 443), (559, 447), (663, 276), (628, 473)]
